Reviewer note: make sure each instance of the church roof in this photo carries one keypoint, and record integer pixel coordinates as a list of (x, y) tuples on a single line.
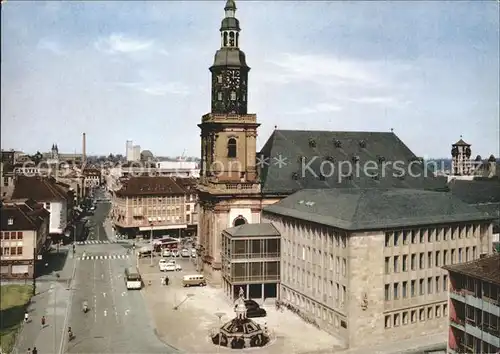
[(461, 143), (375, 209), (377, 152)]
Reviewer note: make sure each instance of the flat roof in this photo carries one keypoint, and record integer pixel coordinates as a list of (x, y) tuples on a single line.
[(486, 269)]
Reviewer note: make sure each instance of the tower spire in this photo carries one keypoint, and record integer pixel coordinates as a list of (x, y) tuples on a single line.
[(230, 8), (230, 27)]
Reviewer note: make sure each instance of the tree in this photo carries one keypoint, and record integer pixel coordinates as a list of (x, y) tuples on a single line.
[(37, 157)]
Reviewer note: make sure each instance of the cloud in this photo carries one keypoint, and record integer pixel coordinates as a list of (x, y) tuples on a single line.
[(158, 89), (120, 44), (51, 46), (319, 108), (387, 101)]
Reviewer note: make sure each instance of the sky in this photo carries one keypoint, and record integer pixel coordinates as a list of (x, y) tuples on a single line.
[(131, 70)]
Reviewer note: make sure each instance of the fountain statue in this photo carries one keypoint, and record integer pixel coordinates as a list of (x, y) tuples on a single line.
[(241, 332)]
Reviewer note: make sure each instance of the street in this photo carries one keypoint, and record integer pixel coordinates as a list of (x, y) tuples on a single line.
[(118, 320)]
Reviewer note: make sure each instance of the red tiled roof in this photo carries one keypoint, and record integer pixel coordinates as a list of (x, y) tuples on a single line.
[(136, 186), (37, 188), (487, 268)]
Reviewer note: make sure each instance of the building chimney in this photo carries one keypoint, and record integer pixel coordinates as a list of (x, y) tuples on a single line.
[(84, 147)]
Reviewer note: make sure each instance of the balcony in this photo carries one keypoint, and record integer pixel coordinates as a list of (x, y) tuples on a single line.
[(272, 256), (230, 188), (457, 323), (254, 278), (229, 118), (457, 294)]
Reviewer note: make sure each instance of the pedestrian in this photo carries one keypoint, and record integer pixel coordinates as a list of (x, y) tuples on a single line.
[(34, 351), (43, 321), (167, 280), (26, 317), (29, 351)]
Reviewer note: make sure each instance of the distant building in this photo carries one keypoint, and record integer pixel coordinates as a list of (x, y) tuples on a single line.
[(147, 155), (474, 302), (136, 155), (145, 204), (465, 168), (24, 231), (178, 168), (129, 150), (365, 264)]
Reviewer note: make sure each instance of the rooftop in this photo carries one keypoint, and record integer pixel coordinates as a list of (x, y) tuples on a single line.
[(375, 209), (486, 269), (147, 185), (252, 230), (376, 151), (27, 216), (37, 188)]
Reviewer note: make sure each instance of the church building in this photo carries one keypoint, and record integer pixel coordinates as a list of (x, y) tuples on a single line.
[(237, 182)]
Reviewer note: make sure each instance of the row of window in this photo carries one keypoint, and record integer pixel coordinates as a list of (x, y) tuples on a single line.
[(432, 259), (321, 237), (405, 237), (416, 287), (412, 316), (11, 235), (11, 251), (310, 254), (317, 309), (154, 199)]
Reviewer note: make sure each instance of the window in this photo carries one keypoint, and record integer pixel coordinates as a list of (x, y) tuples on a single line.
[(452, 260), (387, 239), (405, 237), (429, 259), (396, 264), (47, 206), (460, 255), (413, 316), (429, 313), (438, 311), (437, 258), (10, 221), (387, 260), (429, 285), (413, 285), (421, 286), (446, 230), (429, 235), (438, 236), (405, 263), (233, 96), (445, 256), (438, 284), (413, 265), (421, 261), (421, 314), (445, 310), (396, 319), (219, 96), (387, 292), (474, 252), (467, 254), (13, 251), (396, 238), (405, 317), (188, 207), (19, 235), (6, 235), (405, 289), (19, 251), (422, 234), (387, 321), (396, 291), (413, 236), (231, 148), (445, 282)]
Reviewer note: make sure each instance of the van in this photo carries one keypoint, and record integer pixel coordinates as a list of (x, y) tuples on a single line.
[(193, 280), (133, 279)]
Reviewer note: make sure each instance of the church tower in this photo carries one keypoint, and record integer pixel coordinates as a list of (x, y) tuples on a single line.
[(228, 176), (460, 158)]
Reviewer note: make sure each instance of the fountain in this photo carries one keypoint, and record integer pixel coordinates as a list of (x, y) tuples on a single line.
[(241, 332)]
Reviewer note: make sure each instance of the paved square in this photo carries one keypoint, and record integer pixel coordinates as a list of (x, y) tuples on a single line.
[(188, 327)]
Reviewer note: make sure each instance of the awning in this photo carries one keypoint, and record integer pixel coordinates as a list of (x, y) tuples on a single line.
[(162, 227)]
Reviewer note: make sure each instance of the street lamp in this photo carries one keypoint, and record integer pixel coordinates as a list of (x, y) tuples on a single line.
[(219, 315)]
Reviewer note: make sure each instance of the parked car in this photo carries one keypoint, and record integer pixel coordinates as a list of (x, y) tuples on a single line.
[(175, 253), (172, 266), (185, 252), (251, 304), (256, 312), (193, 253), (166, 253)]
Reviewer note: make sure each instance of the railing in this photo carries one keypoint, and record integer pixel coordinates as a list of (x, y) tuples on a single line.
[(263, 277), (254, 255), (491, 300), (234, 187), (228, 117), (460, 292), (457, 320)]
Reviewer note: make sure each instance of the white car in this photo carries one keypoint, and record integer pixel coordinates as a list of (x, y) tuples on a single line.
[(185, 252), (166, 253), (169, 266), (193, 252)]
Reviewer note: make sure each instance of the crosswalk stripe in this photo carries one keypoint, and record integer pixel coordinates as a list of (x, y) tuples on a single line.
[(101, 257)]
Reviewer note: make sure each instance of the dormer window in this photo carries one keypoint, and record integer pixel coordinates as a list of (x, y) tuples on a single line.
[(381, 158), (233, 96), (329, 158), (337, 143), (10, 221), (301, 158), (362, 144), (355, 158), (312, 143), (322, 177), (295, 176), (231, 148)]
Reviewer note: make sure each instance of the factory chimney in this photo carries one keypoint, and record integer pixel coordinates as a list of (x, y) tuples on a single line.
[(84, 151)]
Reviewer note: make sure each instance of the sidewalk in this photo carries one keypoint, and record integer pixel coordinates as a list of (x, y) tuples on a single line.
[(51, 301)]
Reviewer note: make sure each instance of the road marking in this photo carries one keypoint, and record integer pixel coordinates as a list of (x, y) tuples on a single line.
[(104, 294), (126, 312), (124, 293), (105, 313), (102, 276)]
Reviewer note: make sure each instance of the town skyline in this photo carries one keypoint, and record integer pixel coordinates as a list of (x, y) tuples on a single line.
[(425, 70)]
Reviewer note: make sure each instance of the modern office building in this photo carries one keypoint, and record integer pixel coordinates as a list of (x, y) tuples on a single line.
[(474, 302)]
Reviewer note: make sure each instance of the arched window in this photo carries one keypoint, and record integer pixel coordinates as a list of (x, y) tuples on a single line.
[(231, 39), (225, 39), (231, 147), (237, 39), (240, 220)]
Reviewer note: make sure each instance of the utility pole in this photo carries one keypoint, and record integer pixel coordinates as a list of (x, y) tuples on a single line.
[(151, 240)]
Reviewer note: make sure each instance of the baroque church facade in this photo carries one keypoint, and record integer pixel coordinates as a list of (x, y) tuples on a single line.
[(237, 182)]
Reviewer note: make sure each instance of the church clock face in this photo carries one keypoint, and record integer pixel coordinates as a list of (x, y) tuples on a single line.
[(234, 78)]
